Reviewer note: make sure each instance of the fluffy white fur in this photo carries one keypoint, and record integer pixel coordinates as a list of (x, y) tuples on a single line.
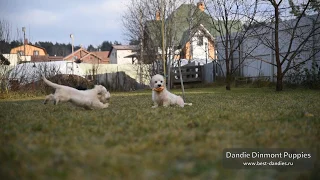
[(95, 98), (164, 97)]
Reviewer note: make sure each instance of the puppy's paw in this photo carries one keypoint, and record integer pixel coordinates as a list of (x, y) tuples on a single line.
[(155, 106), (105, 105)]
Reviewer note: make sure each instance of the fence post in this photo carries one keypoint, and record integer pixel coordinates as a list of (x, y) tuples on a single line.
[(117, 79), (107, 85), (202, 77), (213, 72), (181, 81)]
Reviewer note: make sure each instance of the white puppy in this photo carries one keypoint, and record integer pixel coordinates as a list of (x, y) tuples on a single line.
[(161, 96), (95, 98)]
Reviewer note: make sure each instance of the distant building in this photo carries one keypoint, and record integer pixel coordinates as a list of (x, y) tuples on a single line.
[(193, 35), (30, 53), (29, 50), (121, 54), (103, 55), (83, 56)]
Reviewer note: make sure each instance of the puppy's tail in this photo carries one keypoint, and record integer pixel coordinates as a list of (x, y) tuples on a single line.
[(188, 104), (54, 85)]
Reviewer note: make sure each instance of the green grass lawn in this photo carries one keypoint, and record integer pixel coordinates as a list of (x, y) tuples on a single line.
[(130, 140)]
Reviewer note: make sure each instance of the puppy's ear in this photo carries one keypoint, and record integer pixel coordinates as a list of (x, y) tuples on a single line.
[(98, 87)]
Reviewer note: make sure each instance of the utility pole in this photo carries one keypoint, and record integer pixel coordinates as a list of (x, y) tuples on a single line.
[(72, 38), (72, 50), (141, 45), (24, 42), (163, 39)]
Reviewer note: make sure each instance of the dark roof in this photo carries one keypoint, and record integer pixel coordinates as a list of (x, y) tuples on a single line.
[(125, 47), (46, 58), (55, 58), (133, 55)]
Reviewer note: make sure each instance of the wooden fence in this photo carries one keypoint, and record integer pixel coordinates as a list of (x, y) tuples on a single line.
[(190, 74)]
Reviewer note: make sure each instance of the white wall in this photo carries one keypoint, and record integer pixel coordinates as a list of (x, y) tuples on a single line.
[(118, 57), (199, 51), (131, 70), (121, 57), (113, 56), (256, 64), (29, 72), (15, 58)]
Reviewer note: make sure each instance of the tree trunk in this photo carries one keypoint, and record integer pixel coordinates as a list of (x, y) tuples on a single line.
[(228, 81), (279, 86), (228, 73), (228, 69), (226, 51)]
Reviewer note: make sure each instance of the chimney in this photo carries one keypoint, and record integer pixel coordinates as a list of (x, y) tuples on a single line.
[(201, 6), (26, 41), (158, 17)]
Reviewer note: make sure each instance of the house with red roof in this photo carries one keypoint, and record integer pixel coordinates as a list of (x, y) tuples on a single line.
[(83, 56)]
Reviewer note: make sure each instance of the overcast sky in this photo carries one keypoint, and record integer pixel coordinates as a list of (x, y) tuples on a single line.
[(91, 21)]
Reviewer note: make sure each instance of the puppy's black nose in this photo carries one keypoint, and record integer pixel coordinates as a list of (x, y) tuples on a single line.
[(159, 85)]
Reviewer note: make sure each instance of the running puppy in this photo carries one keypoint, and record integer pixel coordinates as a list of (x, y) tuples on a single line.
[(95, 98), (161, 96)]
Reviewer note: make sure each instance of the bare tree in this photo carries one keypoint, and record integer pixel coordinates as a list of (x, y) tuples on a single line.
[(228, 17), (143, 22), (4, 68), (293, 34), (165, 24), (134, 21), (4, 31)]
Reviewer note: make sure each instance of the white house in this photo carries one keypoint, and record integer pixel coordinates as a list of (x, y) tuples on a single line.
[(202, 44), (120, 54)]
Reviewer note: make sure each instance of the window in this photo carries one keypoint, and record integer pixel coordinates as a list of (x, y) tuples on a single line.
[(36, 53), (200, 41), (20, 53)]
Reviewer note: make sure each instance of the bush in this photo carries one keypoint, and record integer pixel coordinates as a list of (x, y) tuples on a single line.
[(312, 77)]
